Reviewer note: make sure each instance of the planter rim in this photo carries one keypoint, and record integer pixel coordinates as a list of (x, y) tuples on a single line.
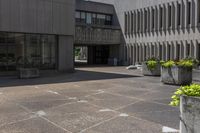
[(176, 67), (195, 97)]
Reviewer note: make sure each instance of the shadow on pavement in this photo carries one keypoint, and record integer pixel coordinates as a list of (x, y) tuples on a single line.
[(56, 77)]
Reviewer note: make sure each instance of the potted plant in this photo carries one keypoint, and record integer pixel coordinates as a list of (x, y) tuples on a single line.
[(151, 67), (26, 69), (195, 62), (188, 97), (177, 72)]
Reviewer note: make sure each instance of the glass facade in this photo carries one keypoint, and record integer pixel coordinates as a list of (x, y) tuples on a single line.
[(93, 18), (18, 50)]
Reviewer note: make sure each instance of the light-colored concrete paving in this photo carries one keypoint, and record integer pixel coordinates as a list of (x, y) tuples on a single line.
[(92, 100)]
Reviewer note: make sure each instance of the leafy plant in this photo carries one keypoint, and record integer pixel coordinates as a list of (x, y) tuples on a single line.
[(168, 64), (194, 60), (185, 63), (152, 63), (191, 90)]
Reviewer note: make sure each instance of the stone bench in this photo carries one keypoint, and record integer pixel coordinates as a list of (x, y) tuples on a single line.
[(25, 73)]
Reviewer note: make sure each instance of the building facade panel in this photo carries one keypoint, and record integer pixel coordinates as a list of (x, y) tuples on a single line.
[(37, 33), (173, 24)]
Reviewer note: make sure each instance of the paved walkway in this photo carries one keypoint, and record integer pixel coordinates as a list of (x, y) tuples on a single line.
[(92, 100)]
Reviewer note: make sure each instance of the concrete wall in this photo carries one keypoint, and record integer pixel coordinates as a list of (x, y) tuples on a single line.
[(37, 16), (166, 42), (43, 17), (66, 53)]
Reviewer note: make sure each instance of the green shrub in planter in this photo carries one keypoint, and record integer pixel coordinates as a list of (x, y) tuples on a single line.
[(188, 97), (151, 67), (190, 90), (177, 72), (194, 61)]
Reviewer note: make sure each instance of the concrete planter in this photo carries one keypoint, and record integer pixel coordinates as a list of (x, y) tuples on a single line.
[(190, 114), (176, 75), (25, 73), (147, 72)]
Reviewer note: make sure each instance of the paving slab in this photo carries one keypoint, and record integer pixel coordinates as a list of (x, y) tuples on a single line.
[(92, 100), (78, 116), (126, 125), (34, 125), (10, 112), (111, 101)]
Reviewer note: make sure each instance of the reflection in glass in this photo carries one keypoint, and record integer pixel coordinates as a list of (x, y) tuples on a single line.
[(20, 50), (89, 18)]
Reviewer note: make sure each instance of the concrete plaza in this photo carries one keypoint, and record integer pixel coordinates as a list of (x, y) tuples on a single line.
[(91, 100)]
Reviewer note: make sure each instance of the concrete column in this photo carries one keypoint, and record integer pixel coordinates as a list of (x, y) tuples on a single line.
[(193, 12), (173, 15), (182, 14), (65, 53), (197, 13)]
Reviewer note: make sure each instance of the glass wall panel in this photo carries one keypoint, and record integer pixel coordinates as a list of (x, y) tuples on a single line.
[(33, 50), (101, 19), (83, 17), (27, 50), (89, 18), (78, 16), (94, 17), (3, 51), (48, 48)]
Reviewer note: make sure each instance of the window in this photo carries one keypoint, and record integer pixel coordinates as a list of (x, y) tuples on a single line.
[(83, 17), (179, 14), (94, 18), (89, 18), (78, 16), (38, 50), (108, 20), (101, 19), (189, 13), (170, 16)]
